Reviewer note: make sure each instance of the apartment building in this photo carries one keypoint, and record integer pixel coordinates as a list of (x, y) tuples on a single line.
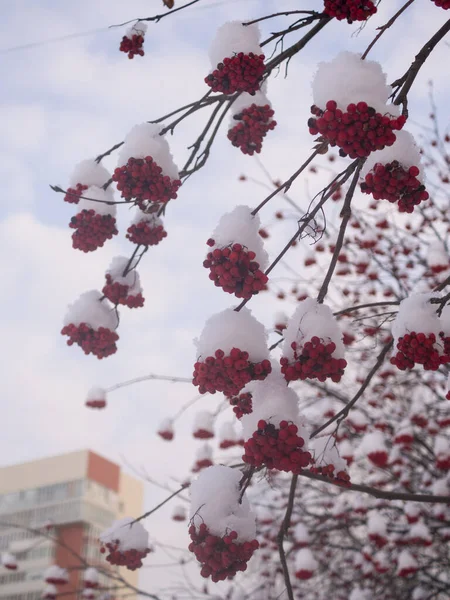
[(80, 494)]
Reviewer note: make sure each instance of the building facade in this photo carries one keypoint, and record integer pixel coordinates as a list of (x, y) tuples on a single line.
[(52, 511)]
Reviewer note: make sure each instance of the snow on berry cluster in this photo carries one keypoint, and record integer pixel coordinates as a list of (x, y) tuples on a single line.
[(352, 10), (203, 428), (123, 284), (274, 434), (165, 430), (126, 542), (313, 346), (326, 460), (417, 335), (96, 398), (252, 118), (242, 404), (373, 446), (232, 351), (237, 257), (222, 526), (146, 229), (236, 58), (56, 575), (146, 173), (395, 174), (90, 322), (95, 222), (305, 564), (437, 257), (85, 174), (350, 106), (133, 40), (91, 578), (8, 561), (228, 437), (203, 458)]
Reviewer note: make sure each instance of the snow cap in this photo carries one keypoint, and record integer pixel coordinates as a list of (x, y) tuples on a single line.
[(215, 501), (234, 37), (404, 150), (88, 309), (347, 79), (145, 140), (229, 329), (130, 535)]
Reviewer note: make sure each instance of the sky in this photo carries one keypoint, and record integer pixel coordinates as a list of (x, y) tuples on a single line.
[(64, 101)]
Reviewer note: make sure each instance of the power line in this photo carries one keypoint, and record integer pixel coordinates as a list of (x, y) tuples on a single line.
[(101, 30)]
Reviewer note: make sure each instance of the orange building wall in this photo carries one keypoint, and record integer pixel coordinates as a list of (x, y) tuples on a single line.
[(72, 537), (103, 471)]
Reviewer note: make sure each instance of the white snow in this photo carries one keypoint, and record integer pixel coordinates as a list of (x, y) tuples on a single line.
[(245, 100), (55, 572), (145, 140), (96, 393), (415, 313), (372, 442), (131, 279), (347, 79), (89, 172), (241, 227), (359, 594), (49, 591), (215, 502), (304, 560), (6, 558), (91, 575), (205, 452), (203, 420), (312, 319), (376, 524), (229, 329), (406, 561), (227, 432), (88, 309), (101, 207), (142, 217), (404, 150), (325, 452), (421, 531), (166, 425), (138, 28), (301, 534), (231, 38), (273, 401), (130, 536), (437, 255)]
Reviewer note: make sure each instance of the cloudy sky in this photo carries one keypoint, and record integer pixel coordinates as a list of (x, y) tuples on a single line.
[(63, 101)]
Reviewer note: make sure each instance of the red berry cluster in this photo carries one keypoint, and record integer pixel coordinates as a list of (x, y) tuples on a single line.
[(142, 179), (228, 374), (203, 463), (101, 342), (276, 448), (220, 557), (117, 293), (352, 10), (418, 348), (203, 434), (131, 559), (73, 194), (241, 73), (146, 233), (166, 435), (235, 270), (341, 477), (253, 124), (132, 45), (378, 457), (92, 230), (304, 574), (445, 4), (357, 132), (96, 403), (242, 404), (315, 361), (392, 182)]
